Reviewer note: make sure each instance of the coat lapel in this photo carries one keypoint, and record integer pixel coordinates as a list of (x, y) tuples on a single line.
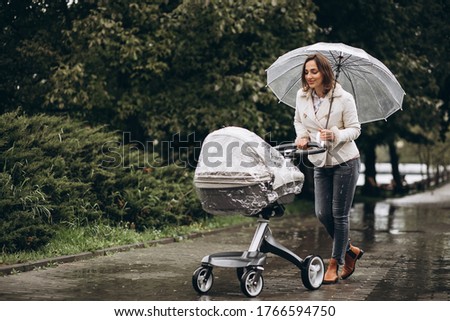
[(322, 113), (309, 111), (320, 119)]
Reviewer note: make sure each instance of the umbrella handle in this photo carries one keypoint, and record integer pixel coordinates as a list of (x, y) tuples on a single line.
[(290, 150)]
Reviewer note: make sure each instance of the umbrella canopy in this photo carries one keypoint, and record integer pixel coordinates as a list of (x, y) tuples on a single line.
[(376, 91)]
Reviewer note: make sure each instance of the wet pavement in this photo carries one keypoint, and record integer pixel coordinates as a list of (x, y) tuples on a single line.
[(407, 245)]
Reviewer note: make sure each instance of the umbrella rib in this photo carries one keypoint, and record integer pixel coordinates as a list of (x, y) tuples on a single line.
[(338, 63), (371, 89), (357, 67), (388, 88), (335, 58), (332, 55), (357, 61), (285, 60), (293, 67), (289, 89), (344, 61), (358, 70), (351, 83)]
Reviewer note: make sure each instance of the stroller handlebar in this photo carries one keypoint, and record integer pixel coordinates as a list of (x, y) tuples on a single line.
[(291, 150)]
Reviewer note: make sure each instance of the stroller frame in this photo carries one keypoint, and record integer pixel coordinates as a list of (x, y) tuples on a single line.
[(249, 264)]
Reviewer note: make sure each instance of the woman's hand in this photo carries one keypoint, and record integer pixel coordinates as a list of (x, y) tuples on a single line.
[(302, 143), (327, 135)]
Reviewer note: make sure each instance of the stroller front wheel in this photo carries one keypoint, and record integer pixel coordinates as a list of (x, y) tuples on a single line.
[(240, 272), (252, 283), (202, 279), (313, 272)]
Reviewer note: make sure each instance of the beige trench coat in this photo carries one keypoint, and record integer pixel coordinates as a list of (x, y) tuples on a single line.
[(343, 122)]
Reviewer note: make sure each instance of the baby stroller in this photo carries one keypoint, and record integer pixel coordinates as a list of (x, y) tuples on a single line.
[(239, 173)]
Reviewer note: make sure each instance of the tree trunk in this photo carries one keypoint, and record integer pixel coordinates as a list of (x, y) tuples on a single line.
[(396, 177), (370, 182)]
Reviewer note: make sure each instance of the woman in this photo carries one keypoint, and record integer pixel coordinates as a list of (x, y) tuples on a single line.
[(325, 112)]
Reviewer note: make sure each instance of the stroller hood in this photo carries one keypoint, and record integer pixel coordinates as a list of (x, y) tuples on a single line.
[(241, 164)]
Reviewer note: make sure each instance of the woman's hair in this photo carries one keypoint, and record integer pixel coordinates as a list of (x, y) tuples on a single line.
[(324, 67)]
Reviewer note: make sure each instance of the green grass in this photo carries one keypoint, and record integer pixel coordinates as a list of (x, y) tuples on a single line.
[(77, 239)]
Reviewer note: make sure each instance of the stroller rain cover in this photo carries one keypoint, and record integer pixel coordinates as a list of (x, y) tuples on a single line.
[(239, 173)]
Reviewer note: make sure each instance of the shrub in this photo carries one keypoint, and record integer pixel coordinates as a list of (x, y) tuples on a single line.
[(53, 172)]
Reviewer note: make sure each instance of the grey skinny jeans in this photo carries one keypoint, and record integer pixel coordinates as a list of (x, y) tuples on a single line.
[(334, 189)]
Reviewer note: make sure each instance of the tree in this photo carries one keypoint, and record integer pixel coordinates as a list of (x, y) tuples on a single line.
[(31, 41), (157, 69), (393, 32)]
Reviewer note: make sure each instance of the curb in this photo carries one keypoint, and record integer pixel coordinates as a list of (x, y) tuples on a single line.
[(29, 266)]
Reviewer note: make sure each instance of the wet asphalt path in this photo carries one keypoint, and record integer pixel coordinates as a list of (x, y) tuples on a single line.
[(407, 244)]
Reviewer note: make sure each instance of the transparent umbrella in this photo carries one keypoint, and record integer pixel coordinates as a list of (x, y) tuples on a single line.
[(376, 91)]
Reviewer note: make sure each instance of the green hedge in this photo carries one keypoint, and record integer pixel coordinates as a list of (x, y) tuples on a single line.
[(57, 171)]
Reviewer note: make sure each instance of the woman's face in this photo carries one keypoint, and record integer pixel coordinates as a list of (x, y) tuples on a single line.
[(313, 76)]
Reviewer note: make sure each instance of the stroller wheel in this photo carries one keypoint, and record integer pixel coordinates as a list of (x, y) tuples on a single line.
[(202, 279), (251, 284), (240, 272), (313, 272)]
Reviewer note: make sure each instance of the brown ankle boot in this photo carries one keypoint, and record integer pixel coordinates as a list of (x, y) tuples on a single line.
[(331, 275), (351, 256)]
